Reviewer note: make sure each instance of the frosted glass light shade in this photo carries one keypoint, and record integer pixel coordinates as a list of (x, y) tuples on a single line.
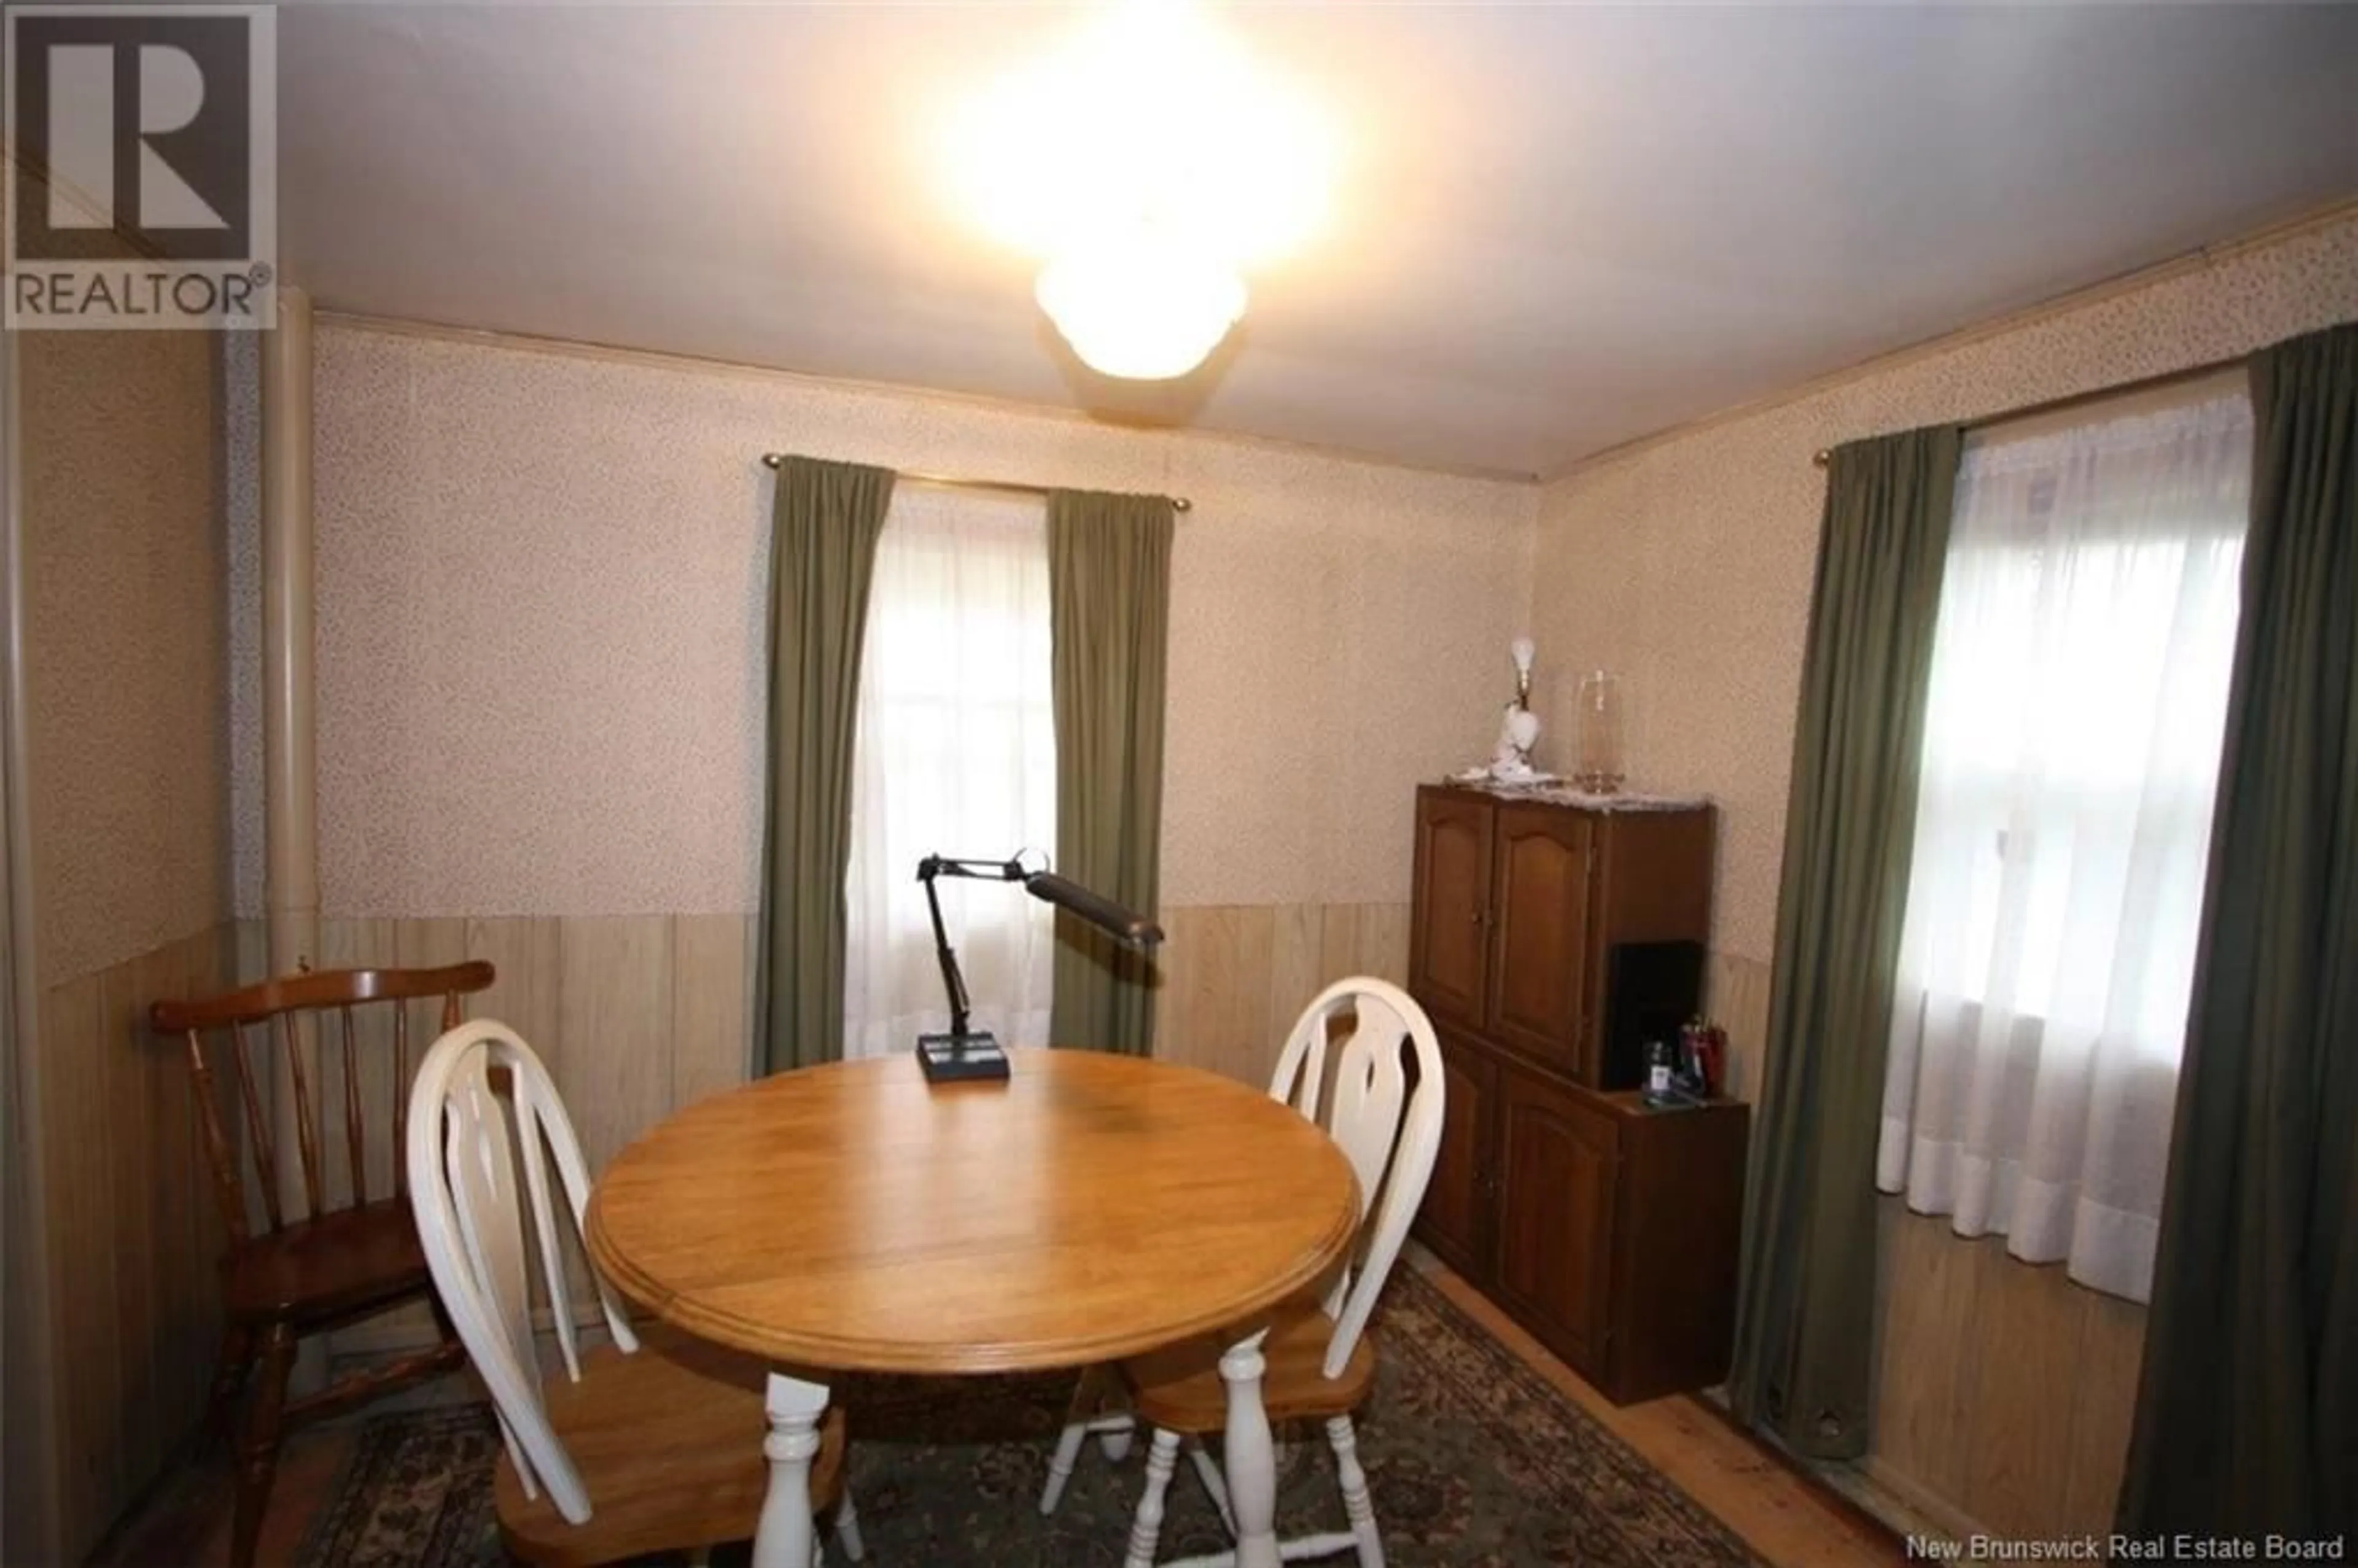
[(1145, 219), (1139, 307)]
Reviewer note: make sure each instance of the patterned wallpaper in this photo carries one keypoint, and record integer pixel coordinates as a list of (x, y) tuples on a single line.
[(125, 628), (540, 578), (1686, 565)]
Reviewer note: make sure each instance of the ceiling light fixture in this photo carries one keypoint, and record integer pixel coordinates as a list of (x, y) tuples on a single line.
[(1141, 306), (1147, 164)]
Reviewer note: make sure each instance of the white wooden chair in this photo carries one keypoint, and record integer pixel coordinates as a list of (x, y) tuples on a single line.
[(654, 1441), (1320, 1359)]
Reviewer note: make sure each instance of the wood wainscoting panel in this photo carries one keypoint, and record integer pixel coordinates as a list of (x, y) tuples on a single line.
[(194, 1312), (1213, 1007), (131, 1229), (1338, 942), (1382, 945), (640, 1016), (251, 938), (2003, 1392), (1235, 977), (2023, 1392), (1175, 983), (526, 956), (1297, 971), (198, 1317), (136, 1202), (77, 1192), (1928, 1288), (1736, 996), (712, 1004), (614, 1016), (430, 944), (357, 943), (1244, 963), (2104, 1384)]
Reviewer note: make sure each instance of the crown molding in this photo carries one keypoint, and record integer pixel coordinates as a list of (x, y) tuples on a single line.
[(698, 365), (2202, 258)]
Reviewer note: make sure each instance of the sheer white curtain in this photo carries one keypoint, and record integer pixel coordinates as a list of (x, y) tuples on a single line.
[(2070, 754), (955, 753)]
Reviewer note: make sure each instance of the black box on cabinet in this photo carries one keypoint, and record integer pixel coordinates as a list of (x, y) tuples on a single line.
[(1650, 988)]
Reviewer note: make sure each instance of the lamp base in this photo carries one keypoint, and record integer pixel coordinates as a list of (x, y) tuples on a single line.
[(959, 1059)]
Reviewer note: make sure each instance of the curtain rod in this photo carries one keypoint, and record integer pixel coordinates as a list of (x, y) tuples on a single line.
[(1002, 486), (2097, 394)]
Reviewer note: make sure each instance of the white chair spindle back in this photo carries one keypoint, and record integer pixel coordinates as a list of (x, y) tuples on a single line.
[(462, 1158), (1391, 1133)]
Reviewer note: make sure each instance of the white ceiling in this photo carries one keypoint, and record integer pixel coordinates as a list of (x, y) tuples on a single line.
[(1558, 229)]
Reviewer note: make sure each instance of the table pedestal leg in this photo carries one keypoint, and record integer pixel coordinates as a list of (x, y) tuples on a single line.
[(787, 1537), (1251, 1457)]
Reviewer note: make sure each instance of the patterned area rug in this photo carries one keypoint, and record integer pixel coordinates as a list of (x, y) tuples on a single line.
[(1475, 1460)]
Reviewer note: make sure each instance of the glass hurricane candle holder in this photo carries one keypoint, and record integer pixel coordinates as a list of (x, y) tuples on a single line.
[(1599, 768)]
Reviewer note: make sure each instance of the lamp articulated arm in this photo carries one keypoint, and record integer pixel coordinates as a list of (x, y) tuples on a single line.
[(953, 978), (954, 1055)]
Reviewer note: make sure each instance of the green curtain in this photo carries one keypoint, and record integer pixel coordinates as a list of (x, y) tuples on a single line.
[(1110, 597), (2247, 1408), (822, 555), (1805, 1301)]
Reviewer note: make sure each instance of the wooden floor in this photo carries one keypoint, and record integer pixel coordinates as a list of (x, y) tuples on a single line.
[(1791, 1522)]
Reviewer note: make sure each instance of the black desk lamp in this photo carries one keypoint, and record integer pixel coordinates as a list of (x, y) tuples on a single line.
[(966, 1053)]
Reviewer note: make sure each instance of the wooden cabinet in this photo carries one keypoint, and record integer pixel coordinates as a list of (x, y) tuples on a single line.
[(1606, 1229), (1539, 983), (1449, 948), (1520, 908), (1616, 1231), (1455, 1220), (1557, 1156)]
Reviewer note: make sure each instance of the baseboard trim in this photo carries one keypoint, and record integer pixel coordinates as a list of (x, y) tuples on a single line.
[(1885, 1491), (1831, 1483)]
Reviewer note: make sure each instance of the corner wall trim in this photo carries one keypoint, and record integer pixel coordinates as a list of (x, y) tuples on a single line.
[(28, 1452), (290, 713)]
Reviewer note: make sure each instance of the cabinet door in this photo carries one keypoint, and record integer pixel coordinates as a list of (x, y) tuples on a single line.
[(1449, 924), (1539, 953), (1558, 1167), (1459, 1200)]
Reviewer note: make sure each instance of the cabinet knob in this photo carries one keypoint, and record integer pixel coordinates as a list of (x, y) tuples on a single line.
[(1476, 917)]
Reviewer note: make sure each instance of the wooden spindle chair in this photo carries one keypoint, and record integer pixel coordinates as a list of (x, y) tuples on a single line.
[(344, 1256)]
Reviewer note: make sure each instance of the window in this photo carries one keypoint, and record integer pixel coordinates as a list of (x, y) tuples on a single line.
[(955, 753), (2072, 731)]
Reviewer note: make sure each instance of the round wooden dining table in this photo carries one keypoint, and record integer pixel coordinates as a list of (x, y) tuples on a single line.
[(853, 1217)]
